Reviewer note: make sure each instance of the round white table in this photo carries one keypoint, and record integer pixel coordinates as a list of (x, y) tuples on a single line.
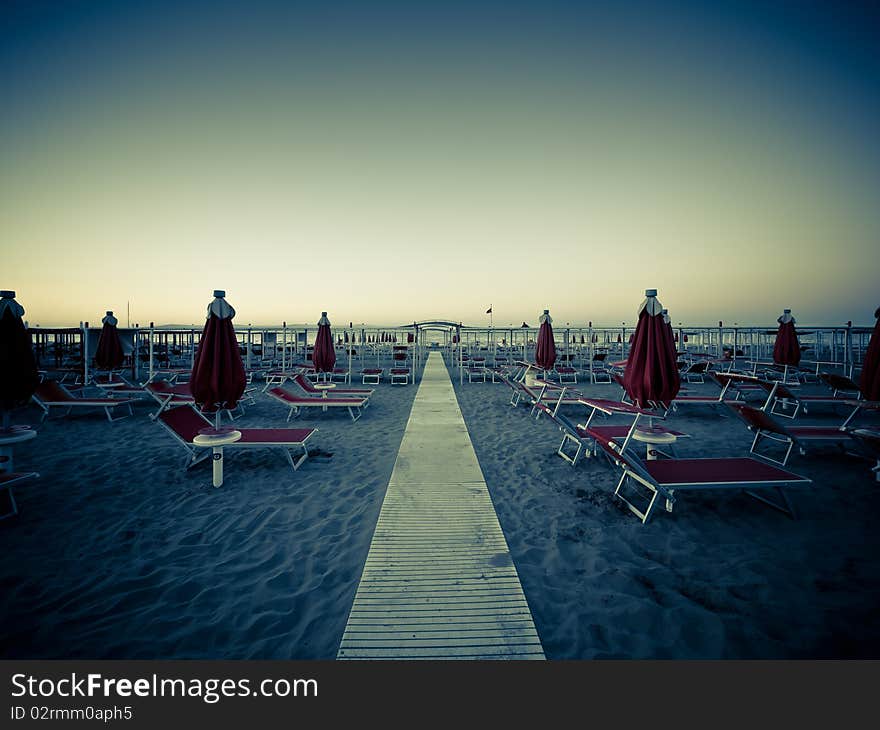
[(652, 437), (217, 442), (7, 440)]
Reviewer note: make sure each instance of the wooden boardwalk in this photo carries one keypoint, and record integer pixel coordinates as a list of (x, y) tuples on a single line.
[(439, 582)]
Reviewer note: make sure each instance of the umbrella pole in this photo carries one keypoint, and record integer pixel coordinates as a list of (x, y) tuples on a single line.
[(85, 353), (151, 352), (460, 363)]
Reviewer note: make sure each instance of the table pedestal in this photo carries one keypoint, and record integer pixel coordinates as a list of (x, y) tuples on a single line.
[(14, 435), (217, 442)]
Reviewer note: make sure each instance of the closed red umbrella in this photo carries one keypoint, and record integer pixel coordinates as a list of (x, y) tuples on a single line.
[(218, 378), (109, 354), (18, 368), (545, 349), (869, 383), (786, 350), (651, 374), (324, 356)]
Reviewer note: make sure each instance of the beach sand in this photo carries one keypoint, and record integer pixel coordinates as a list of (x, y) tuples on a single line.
[(722, 576), (119, 553)]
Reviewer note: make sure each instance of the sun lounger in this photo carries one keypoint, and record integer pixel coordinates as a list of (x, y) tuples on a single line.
[(695, 372), (683, 398), (869, 443), (476, 369), (841, 386), (701, 400), (296, 403), (567, 374), (371, 375), (309, 388), (278, 377), (664, 477), (598, 372), (168, 395), (340, 375), (8, 480), (764, 426), (859, 407), (51, 394), (172, 375), (123, 391), (583, 436), (185, 423), (400, 376), (520, 392), (779, 396), (740, 386)]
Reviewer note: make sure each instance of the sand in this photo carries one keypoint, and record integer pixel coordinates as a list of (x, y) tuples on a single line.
[(119, 553), (722, 576)]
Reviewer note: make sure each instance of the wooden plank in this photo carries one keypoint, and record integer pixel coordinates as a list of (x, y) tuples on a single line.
[(438, 582)]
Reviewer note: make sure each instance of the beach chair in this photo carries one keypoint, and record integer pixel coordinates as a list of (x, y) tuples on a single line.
[(700, 400), (765, 427), (695, 372), (121, 389), (521, 392), (8, 480), (399, 376), (598, 372), (740, 386), (547, 398), (340, 375), (297, 403), (278, 377), (781, 398), (309, 388), (841, 386), (859, 407), (371, 375), (51, 394), (184, 423), (583, 436), (475, 369), (566, 374), (663, 478), (869, 444), (168, 395)]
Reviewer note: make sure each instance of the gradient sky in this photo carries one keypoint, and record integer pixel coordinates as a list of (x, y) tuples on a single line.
[(397, 161)]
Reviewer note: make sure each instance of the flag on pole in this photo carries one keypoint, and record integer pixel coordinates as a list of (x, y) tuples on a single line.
[(489, 310)]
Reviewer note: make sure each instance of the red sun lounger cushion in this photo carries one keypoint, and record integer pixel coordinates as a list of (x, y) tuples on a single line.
[(274, 435), (746, 471)]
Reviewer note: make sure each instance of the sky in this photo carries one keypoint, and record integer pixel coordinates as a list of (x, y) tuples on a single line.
[(397, 161)]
